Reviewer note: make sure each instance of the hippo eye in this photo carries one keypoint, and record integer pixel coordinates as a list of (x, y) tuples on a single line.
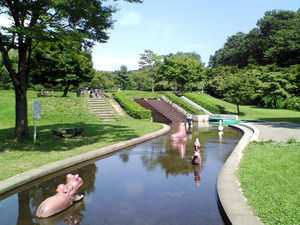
[(72, 188)]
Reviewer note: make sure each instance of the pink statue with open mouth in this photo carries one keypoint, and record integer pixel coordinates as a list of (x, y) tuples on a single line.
[(65, 196)]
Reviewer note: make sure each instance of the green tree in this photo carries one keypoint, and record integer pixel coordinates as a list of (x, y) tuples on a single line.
[(43, 20), (276, 39), (62, 63), (238, 89), (141, 79), (281, 32), (181, 71), (150, 59), (123, 78), (274, 88), (5, 80), (103, 80)]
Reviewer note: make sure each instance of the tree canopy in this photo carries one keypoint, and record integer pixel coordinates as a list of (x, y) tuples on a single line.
[(276, 39), (180, 70), (43, 20), (62, 63)]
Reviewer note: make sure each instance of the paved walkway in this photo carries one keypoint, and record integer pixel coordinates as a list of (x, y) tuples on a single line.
[(277, 131)]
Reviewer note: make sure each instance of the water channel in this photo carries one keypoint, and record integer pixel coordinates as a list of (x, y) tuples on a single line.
[(151, 183)]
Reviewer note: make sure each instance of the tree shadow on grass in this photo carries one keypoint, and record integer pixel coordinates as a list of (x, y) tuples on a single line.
[(104, 134)]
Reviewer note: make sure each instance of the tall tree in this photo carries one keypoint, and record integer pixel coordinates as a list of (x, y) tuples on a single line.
[(150, 59), (281, 34), (141, 79), (181, 70), (123, 78), (36, 21), (103, 80), (63, 63), (275, 40)]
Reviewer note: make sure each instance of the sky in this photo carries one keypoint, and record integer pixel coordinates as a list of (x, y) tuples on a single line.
[(171, 26)]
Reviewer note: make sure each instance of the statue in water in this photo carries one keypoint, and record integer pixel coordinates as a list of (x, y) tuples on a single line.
[(66, 195)]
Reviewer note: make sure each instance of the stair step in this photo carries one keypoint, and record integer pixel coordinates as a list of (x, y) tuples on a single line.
[(101, 109)]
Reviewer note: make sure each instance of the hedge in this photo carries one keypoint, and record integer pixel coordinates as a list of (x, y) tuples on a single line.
[(132, 108)]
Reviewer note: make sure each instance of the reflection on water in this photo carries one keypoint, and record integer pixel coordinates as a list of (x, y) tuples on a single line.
[(150, 183)]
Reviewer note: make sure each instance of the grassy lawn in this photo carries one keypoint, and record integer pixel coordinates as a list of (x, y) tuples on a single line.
[(257, 113), (269, 176), (58, 113)]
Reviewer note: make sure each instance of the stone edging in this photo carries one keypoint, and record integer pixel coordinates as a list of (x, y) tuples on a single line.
[(231, 199), (34, 174)]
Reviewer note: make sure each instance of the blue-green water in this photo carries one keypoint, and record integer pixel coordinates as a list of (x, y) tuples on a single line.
[(150, 183)]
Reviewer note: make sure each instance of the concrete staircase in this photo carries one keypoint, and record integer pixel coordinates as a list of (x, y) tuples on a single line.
[(161, 111), (102, 109)]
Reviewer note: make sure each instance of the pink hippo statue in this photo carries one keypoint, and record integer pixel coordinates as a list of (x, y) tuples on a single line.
[(181, 133), (197, 159), (65, 196)]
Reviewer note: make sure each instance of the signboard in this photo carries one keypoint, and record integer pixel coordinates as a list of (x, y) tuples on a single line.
[(37, 106)]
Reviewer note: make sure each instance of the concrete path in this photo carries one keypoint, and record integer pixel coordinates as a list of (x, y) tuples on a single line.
[(277, 131)]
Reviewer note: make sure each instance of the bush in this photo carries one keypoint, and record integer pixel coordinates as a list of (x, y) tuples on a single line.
[(183, 104), (203, 102), (131, 107)]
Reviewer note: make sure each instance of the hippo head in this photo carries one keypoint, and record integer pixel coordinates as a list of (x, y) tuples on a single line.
[(73, 183)]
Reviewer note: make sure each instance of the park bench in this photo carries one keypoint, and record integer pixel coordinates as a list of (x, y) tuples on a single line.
[(62, 132)]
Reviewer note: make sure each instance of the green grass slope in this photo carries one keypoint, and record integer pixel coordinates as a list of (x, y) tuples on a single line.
[(252, 112)]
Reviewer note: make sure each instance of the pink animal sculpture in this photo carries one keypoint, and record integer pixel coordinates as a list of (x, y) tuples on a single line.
[(66, 195), (71, 215), (181, 133), (197, 159)]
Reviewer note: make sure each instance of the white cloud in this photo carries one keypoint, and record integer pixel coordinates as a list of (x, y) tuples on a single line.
[(111, 63), (130, 18)]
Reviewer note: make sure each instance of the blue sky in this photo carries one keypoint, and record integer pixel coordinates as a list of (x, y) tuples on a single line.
[(170, 26)]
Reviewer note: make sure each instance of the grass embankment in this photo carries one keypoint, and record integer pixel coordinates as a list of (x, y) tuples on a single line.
[(254, 112), (58, 113), (269, 176)]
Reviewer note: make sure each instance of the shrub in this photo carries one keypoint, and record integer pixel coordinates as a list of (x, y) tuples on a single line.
[(131, 107)]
